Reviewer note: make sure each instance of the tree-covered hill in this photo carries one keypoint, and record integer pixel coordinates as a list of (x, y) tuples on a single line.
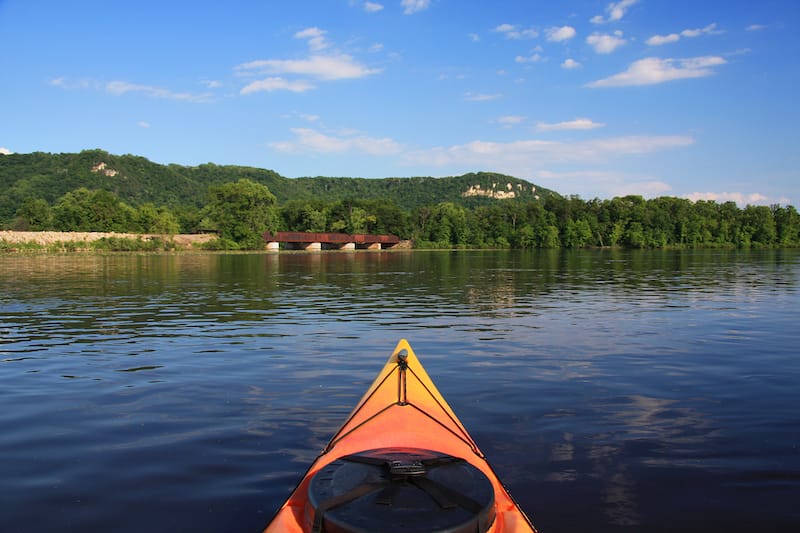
[(137, 181)]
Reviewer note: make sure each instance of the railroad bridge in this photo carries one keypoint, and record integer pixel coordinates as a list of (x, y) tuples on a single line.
[(299, 240)]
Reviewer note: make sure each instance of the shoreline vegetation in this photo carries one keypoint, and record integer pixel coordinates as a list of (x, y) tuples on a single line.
[(108, 241), (99, 241)]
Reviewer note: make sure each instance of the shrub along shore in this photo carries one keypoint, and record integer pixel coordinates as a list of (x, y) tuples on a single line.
[(78, 241)]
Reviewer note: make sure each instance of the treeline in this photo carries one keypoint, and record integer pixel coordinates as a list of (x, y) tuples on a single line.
[(630, 222), (240, 211)]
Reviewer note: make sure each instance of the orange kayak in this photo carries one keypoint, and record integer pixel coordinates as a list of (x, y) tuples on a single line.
[(401, 462)]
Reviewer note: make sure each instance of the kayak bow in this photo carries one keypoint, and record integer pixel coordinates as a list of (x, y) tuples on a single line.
[(402, 461)]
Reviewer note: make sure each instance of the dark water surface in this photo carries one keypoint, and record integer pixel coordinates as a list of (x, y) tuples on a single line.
[(612, 391)]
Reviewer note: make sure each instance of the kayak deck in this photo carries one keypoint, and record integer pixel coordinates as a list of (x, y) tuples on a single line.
[(401, 409)]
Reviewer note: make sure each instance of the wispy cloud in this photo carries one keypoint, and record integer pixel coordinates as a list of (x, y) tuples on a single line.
[(309, 140), (322, 67), (372, 7), (559, 34), (481, 97), (308, 117), (521, 157), (614, 12), (277, 84), (414, 6), (653, 70), (143, 124), (525, 158), (576, 124), (606, 183), (756, 27), (510, 120), (536, 57), (711, 29), (738, 197), (64, 83), (511, 31), (604, 43), (123, 87), (570, 64), (646, 188), (658, 40), (315, 37), (119, 87)]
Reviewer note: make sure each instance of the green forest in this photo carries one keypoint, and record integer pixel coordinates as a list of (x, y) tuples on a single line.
[(97, 191)]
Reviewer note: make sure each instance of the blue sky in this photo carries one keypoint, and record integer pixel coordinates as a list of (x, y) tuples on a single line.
[(695, 99)]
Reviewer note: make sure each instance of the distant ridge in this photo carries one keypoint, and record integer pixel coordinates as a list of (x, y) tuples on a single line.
[(136, 181)]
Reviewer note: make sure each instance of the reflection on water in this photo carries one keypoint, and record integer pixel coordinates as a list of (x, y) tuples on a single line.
[(612, 390)]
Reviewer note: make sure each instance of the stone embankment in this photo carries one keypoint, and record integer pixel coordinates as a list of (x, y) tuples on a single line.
[(49, 238)]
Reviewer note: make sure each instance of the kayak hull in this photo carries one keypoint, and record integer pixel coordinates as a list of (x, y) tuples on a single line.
[(401, 409)]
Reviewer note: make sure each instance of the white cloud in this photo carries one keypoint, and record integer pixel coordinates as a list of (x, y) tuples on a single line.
[(513, 32), (510, 120), (692, 33), (570, 64), (323, 67), (604, 183), (308, 140), (277, 84), (5, 151), (372, 7), (614, 12), (648, 189), (711, 29), (564, 33), (308, 117), (122, 87), (533, 58), (605, 43), (756, 27), (474, 37), (577, 124), (617, 11), (143, 124), (658, 40), (738, 197), (481, 97), (505, 28), (315, 37), (68, 84), (653, 70), (317, 66), (414, 6), (519, 158)]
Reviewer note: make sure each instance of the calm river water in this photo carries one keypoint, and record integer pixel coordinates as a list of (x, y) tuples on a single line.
[(612, 391)]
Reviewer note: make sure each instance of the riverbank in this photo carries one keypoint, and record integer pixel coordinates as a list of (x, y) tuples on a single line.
[(81, 240), (88, 241)]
